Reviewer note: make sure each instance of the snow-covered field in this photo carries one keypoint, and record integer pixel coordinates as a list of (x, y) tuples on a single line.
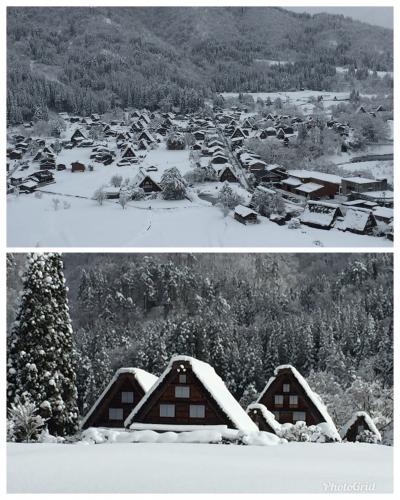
[(34, 222), (301, 98), (375, 168), (198, 468)]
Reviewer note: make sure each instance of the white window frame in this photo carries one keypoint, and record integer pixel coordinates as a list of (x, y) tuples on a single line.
[(120, 414), (294, 400), (169, 410), (185, 389), (303, 413), (182, 378), (286, 388), (195, 408), (276, 402), (130, 397)]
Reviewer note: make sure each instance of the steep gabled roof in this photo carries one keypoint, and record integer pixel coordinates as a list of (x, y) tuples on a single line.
[(143, 378), (320, 213), (214, 385), (129, 149), (356, 219), (368, 420), (267, 415), (313, 397)]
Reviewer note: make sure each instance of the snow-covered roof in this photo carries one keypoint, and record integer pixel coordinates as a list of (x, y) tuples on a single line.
[(319, 213), (383, 212), (214, 385), (264, 189), (273, 167), (309, 187), (368, 421), (292, 181), (220, 168), (313, 174), (155, 176), (358, 180), (145, 379), (255, 161), (356, 218), (379, 195), (315, 399), (358, 202), (244, 211), (268, 416), (30, 183)]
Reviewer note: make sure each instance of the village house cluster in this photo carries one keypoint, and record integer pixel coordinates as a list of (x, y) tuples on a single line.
[(189, 396), (218, 152)]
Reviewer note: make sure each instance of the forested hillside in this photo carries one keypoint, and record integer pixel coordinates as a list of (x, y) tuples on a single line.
[(330, 315), (85, 60)]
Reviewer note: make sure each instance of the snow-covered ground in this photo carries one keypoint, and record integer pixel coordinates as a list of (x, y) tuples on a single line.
[(198, 468), (154, 223), (375, 168), (301, 98)]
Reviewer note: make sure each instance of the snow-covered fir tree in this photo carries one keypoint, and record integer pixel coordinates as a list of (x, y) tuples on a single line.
[(40, 352), (173, 185)]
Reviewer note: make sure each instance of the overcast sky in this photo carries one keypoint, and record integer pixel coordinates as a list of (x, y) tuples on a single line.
[(381, 16)]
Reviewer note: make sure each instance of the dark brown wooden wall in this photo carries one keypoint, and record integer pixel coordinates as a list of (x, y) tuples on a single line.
[(353, 430), (257, 417), (286, 412), (125, 382), (165, 394)]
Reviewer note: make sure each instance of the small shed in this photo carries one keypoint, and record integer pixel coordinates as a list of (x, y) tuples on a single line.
[(263, 418), (245, 215), (358, 423), (77, 166)]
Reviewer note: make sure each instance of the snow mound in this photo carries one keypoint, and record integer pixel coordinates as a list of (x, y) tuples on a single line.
[(102, 435), (262, 438)]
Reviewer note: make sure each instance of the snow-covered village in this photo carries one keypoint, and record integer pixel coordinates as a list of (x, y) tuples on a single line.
[(288, 152), (199, 249), (199, 365)]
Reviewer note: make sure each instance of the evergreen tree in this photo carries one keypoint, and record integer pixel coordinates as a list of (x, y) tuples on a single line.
[(40, 352), (173, 185)]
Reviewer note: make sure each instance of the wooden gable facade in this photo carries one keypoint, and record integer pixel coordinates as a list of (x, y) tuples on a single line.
[(289, 400), (76, 166), (78, 135), (263, 418), (149, 185), (181, 399), (189, 393), (359, 423), (118, 400), (129, 153)]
